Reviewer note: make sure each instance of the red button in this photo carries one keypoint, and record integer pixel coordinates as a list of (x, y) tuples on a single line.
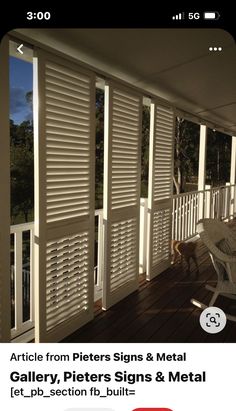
[(152, 409)]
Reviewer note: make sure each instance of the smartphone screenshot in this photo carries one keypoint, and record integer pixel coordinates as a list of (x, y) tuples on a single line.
[(117, 210)]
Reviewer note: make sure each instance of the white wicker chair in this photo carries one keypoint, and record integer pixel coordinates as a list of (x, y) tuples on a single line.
[(211, 232)]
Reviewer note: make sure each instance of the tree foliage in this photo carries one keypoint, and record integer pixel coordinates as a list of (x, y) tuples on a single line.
[(99, 148), (145, 150), (186, 152), (218, 158), (186, 156), (22, 170)]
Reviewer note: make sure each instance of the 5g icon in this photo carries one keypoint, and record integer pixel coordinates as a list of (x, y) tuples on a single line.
[(193, 16)]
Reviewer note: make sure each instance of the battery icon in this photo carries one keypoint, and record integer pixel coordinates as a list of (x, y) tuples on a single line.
[(211, 15)]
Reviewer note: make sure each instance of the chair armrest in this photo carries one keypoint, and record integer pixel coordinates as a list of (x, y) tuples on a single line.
[(226, 258)]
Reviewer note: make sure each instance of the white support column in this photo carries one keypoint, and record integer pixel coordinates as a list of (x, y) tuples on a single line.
[(233, 177), (5, 304), (202, 168)]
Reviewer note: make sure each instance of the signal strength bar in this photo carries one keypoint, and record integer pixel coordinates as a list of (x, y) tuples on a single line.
[(179, 16)]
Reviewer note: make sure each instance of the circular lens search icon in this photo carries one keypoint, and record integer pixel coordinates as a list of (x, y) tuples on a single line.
[(213, 320)]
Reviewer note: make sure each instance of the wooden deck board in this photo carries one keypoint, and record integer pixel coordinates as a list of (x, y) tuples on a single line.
[(161, 311)]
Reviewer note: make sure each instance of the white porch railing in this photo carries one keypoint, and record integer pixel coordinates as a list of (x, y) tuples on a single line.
[(98, 264), (22, 297), (188, 208)]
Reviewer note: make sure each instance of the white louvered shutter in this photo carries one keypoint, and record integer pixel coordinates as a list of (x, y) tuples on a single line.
[(121, 192), (160, 189), (64, 197), (5, 308)]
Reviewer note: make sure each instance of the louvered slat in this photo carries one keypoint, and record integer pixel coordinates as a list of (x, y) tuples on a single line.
[(73, 157), (163, 154), (161, 240), (125, 126), (123, 250), (63, 274)]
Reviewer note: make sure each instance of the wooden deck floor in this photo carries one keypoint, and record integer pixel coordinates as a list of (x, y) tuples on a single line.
[(161, 311)]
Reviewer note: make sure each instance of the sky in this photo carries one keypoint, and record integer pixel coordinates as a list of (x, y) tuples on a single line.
[(21, 81)]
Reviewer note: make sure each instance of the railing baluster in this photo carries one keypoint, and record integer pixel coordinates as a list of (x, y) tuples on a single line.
[(211, 202), (228, 194), (31, 273), (196, 217), (176, 218), (100, 248), (182, 214), (192, 214), (220, 204), (234, 201), (184, 218), (18, 280), (180, 218), (188, 217), (232, 196), (173, 219), (216, 204)]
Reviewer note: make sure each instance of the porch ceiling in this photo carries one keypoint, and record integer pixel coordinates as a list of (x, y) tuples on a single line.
[(173, 64)]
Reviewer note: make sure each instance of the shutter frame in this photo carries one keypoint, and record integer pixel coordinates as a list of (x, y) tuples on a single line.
[(64, 224), (121, 220), (160, 190)]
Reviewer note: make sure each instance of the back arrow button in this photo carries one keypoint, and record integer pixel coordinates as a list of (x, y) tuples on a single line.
[(19, 49)]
